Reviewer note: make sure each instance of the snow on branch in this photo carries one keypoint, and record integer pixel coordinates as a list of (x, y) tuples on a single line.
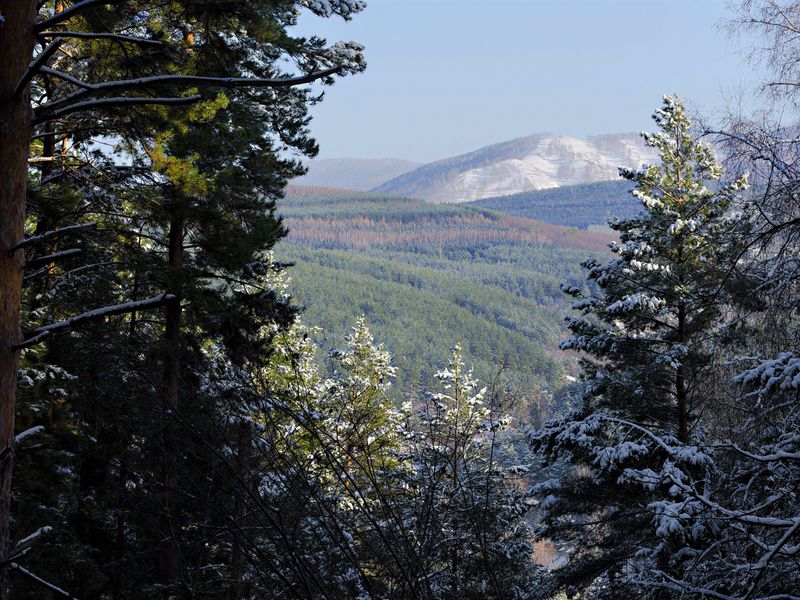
[(36, 65), (43, 582), (22, 546), (36, 239), (49, 258), (107, 311), (64, 76), (28, 433), (767, 458), (89, 35)]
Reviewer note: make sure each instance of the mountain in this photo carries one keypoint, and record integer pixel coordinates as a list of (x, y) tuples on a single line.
[(354, 173), (536, 162)]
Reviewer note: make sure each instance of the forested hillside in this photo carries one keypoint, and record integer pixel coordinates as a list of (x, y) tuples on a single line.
[(430, 275), (573, 206)]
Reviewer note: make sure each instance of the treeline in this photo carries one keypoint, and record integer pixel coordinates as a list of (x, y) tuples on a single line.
[(490, 281), (416, 311)]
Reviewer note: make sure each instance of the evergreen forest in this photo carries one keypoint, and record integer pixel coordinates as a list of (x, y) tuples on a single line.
[(215, 384)]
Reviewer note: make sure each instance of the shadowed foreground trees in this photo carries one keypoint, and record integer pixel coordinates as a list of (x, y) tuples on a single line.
[(76, 71)]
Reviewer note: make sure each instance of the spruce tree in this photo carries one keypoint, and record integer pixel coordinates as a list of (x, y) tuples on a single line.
[(646, 334), (459, 498)]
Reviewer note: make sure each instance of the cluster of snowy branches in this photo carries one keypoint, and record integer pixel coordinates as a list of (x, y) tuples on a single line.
[(348, 496)]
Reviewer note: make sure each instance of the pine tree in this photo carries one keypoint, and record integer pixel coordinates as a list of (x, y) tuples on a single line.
[(205, 197), (646, 334)]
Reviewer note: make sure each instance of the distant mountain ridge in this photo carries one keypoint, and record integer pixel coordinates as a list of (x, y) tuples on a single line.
[(536, 162), (354, 173)]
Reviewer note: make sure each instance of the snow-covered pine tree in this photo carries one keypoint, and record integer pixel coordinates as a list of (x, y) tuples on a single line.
[(322, 447), (646, 331), (463, 507), (362, 419)]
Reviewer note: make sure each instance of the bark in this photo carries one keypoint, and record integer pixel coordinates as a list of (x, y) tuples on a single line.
[(16, 33), (170, 551)]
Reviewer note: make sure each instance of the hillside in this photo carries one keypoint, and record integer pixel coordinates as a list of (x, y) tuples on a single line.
[(428, 276), (574, 206), (535, 162)]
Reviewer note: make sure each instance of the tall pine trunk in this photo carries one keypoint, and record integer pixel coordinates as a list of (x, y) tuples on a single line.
[(237, 589), (16, 47), (170, 553), (680, 382)]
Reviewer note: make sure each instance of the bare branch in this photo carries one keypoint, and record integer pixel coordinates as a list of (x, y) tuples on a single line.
[(47, 235), (107, 311), (35, 65)]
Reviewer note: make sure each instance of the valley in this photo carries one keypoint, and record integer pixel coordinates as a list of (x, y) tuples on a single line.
[(428, 276)]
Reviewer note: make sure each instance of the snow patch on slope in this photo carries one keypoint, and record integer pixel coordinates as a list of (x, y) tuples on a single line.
[(534, 163)]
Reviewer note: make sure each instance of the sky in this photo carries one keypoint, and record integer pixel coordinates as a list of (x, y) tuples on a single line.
[(446, 77)]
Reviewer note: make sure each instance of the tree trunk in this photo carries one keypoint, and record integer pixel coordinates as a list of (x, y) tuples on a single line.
[(16, 33), (680, 382), (170, 552), (237, 590)]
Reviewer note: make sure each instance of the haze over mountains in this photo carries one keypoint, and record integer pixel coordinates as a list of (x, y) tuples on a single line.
[(535, 162), (354, 173)]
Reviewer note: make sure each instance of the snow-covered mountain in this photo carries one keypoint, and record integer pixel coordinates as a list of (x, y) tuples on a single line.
[(535, 162), (353, 173)]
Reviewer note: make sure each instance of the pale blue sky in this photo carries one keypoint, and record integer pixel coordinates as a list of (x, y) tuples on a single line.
[(449, 76)]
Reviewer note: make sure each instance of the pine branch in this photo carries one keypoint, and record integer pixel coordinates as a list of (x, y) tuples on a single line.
[(113, 103), (107, 311), (55, 108), (28, 433), (65, 77), (36, 239), (49, 258), (43, 582), (67, 14), (36, 65), (22, 546), (88, 35)]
